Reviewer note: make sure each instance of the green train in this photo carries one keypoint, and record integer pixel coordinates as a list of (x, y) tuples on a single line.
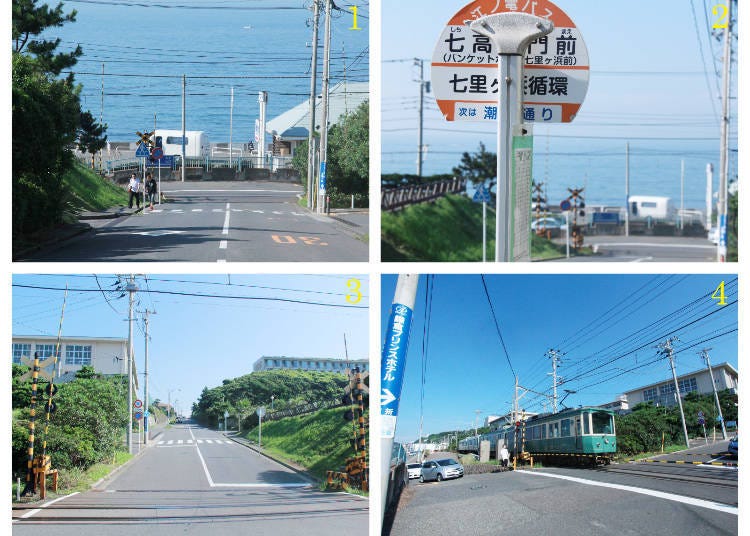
[(584, 435)]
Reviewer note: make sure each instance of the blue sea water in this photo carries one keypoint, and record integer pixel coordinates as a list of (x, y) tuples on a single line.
[(146, 50)]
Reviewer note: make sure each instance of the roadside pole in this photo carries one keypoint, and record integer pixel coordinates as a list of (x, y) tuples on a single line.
[(132, 289), (666, 348), (511, 33), (182, 167), (324, 114), (567, 233), (704, 354), (627, 189), (231, 123), (709, 195), (146, 411), (262, 101), (484, 231), (724, 156), (392, 365), (311, 129)]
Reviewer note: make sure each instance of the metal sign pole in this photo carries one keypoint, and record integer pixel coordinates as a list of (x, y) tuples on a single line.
[(484, 231), (511, 34), (393, 362)]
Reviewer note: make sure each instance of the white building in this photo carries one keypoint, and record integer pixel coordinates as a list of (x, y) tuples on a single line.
[(663, 393), (108, 355), (321, 364), (292, 127)]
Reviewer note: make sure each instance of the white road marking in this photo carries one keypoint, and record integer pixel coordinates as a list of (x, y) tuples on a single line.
[(258, 211), (660, 494), (188, 441), (221, 260), (208, 441), (199, 441), (642, 259), (223, 244), (45, 505), (217, 210), (299, 214), (225, 230), (648, 245), (160, 443), (155, 210), (291, 192), (237, 210), (197, 210), (261, 485), (179, 441), (277, 212), (158, 232), (176, 210), (170, 442)]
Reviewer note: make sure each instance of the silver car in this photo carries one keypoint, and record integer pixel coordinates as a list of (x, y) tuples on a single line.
[(441, 470), (415, 470)]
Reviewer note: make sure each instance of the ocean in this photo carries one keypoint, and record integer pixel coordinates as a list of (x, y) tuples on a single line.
[(144, 51)]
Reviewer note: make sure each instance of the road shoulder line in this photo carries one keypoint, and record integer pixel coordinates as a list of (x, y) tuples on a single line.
[(660, 494)]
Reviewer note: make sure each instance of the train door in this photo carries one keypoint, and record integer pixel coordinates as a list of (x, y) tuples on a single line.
[(577, 433)]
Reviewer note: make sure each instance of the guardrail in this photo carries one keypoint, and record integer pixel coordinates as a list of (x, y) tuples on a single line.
[(419, 193)]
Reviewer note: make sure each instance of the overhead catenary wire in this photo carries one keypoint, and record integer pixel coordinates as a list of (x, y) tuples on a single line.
[(497, 326)]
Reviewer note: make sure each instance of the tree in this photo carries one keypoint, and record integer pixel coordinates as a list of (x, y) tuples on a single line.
[(243, 408), (478, 167), (348, 163), (732, 228), (29, 21), (90, 136)]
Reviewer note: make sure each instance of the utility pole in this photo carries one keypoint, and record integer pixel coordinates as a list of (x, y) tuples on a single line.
[(311, 130), (231, 117), (132, 289), (324, 113), (709, 194), (422, 84), (101, 117), (704, 354), (627, 188), (393, 362), (147, 411), (666, 348), (262, 101), (724, 156), (182, 167), (682, 194), (554, 355)]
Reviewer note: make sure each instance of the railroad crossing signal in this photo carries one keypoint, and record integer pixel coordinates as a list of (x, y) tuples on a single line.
[(29, 362), (145, 137), (577, 205)]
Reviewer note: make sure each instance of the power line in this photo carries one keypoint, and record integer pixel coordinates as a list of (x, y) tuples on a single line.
[(221, 296), (497, 325)]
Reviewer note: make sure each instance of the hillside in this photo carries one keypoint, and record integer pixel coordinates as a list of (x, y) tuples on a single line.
[(449, 229), (318, 441), (89, 191)]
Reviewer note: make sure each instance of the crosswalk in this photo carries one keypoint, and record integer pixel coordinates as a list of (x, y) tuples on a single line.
[(177, 442), (217, 210)]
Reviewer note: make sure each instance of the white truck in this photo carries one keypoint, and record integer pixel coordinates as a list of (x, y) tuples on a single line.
[(196, 142), (654, 207)]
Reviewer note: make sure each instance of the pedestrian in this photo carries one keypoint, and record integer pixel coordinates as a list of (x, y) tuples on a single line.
[(150, 190), (504, 455), (134, 187)]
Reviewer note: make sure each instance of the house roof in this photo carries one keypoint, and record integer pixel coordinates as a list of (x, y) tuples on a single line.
[(343, 98)]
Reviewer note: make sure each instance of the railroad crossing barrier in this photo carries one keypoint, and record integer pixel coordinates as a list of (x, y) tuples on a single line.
[(420, 193), (688, 462)]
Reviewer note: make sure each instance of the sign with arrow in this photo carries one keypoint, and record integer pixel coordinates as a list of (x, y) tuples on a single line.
[(393, 364)]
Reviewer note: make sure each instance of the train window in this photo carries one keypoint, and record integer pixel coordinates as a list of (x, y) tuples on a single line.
[(565, 427), (586, 426), (544, 432), (554, 429), (602, 423)]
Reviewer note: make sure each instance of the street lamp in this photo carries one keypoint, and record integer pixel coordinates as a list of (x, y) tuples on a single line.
[(169, 402), (272, 397)]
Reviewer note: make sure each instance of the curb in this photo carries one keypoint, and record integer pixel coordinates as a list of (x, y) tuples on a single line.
[(304, 474)]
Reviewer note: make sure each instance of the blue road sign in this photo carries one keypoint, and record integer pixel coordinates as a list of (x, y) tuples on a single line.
[(322, 186), (565, 205), (138, 415), (142, 151), (482, 195), (723, 230), (166, 161), (393, 363)]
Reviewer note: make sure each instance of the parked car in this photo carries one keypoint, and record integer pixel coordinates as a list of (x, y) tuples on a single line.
[(733, 446), (441, 470), (415, 470), (551, 225)]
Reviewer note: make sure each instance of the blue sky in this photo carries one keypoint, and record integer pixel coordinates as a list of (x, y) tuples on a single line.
[(582, 315), (641, 85), (198, 342)]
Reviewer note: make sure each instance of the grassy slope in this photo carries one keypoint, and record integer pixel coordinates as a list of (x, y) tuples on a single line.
[(318, 441), (89, 191), (448, 230)]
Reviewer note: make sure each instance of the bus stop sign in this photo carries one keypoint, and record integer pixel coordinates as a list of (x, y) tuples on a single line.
[(465, 74)]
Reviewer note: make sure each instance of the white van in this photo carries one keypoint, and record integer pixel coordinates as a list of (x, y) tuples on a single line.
[(646, 206), (196, 142)]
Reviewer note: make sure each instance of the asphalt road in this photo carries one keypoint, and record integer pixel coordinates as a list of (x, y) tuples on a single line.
[(648, 249), (196, 481), (625, 499), (218, 222)]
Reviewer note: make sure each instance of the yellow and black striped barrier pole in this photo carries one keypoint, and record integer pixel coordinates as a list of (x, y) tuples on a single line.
[(30, 488)]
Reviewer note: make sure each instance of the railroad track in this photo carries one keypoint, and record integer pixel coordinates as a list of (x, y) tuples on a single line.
[(717, 478)]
